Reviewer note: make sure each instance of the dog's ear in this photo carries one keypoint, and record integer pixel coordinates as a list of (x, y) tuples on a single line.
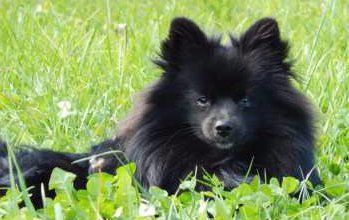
[(264, 35), (184, 39)]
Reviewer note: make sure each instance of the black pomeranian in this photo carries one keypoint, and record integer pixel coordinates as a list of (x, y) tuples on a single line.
[(225, 110)]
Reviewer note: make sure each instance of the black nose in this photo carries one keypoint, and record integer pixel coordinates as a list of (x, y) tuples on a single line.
[(224, 128)]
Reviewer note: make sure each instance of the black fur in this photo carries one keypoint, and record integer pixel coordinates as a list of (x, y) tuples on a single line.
[(173, 128), (37, 166)]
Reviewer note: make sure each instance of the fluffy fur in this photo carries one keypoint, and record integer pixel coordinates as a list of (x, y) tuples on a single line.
[(217, 108), (37, 166)]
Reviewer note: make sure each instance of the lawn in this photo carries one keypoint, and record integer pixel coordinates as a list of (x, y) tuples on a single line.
[(69, 71)]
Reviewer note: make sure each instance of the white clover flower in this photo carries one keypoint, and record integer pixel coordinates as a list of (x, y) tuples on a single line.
[(64, 109), (146, 210), (120, 28)]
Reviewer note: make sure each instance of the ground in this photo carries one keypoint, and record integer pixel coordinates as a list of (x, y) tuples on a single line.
[(69, 71)]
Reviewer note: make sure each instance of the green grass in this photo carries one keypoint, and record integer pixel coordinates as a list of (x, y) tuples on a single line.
[(53, 51)]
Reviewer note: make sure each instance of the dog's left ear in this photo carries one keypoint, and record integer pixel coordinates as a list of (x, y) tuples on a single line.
[(264, 35)]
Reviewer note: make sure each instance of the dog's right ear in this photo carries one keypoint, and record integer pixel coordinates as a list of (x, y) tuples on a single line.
[(184, 39)]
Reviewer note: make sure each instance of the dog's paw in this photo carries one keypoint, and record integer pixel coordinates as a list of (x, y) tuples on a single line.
[(97, 164)]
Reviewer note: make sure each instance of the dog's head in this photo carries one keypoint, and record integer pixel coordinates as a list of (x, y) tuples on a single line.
[(227, 95)]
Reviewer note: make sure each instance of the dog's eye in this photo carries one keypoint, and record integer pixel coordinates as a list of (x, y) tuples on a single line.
[(244, 102), (202, 101)]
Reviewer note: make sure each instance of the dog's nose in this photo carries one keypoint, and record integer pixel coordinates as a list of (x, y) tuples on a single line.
[(224, 128)]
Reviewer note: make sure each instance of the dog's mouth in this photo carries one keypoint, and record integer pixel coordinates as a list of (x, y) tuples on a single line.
[(224, 144), (220, 144)]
